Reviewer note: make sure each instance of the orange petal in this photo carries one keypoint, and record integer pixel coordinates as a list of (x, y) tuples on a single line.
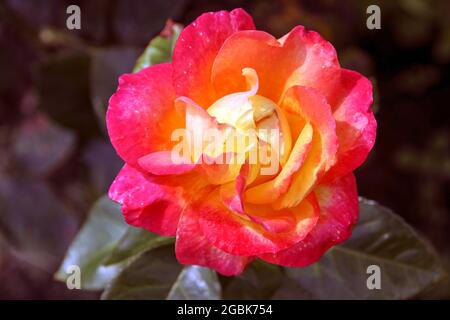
[(246, 235), (300, 58), (313, 107), (355, 123), (192, 247), (141, 115), (196, 49), (338, 202), (271, 190)]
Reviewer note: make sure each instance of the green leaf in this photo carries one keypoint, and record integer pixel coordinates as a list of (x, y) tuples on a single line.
[(407, 262), (148, 276), (195, 283), (156, 274), (136, 241), (259, 281), (99, 235), (160, 48)]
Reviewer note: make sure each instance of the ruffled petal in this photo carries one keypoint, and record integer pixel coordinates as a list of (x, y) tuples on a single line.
[(311, 106), (196, 49), (270, 191), (244, 235), (250, 49), (300, 58), (141, 115), (146, 202), (320, 68), (338, 202), (192, 248), (355, 123)]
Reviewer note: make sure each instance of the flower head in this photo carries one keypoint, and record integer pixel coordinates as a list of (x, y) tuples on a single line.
[(243, 146)]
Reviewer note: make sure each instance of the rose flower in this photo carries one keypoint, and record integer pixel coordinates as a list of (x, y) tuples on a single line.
[(275, 182)]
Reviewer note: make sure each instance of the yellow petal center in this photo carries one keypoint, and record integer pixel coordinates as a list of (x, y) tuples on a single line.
[(252, 114)]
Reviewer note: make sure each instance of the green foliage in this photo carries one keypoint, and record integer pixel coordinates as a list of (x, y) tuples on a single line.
[(196, 283), (94, 242), (104, 243), (160, 49), (259, 281), (136, 264), (157, 275), (407, 262), (149, 276), (134, 242)]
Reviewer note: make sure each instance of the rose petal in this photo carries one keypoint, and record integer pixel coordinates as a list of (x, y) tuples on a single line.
[(338, 202), (231, 194), (196, 49), (205, 135), (320, 67), (235, 109), (220, 170), (271, 190), (192, 248), (300, 58), (355, 123), (165, 163), (141, 115), (313, 107), (240, 235), (147, 203), (250, 49)]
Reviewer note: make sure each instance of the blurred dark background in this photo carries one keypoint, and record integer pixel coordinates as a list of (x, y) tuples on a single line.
[(55, 158)]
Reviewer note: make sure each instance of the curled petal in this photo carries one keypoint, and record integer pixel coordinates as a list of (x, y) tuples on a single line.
[(164, 163), (205, 135), (274, 130), (313, 107), (320, 67), (235, 109), (271, 190), (300, 58), (355, 123), (249, 49)]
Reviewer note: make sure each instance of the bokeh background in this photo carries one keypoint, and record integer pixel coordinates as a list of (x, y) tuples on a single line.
[(55, 158)]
